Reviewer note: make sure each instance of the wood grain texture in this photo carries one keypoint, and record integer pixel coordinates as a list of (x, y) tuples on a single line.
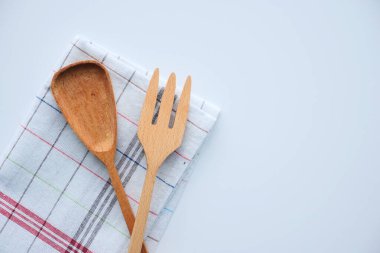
[(158, 141), (84, 93)]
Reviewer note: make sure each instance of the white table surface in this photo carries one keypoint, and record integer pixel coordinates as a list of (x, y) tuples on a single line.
[(293, 164)]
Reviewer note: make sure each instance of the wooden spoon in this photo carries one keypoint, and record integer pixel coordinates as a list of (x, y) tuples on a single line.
[(83, 91)]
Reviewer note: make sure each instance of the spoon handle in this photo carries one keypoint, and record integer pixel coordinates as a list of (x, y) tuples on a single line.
[(123, 200), (142, 213)]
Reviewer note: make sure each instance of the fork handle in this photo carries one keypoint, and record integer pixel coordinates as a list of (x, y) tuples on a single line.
[(142, 213), (123, 201)]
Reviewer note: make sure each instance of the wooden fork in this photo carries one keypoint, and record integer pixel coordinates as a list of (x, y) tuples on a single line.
[(158, 141)]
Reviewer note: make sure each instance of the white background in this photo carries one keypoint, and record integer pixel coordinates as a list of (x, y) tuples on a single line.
[(293, 164)]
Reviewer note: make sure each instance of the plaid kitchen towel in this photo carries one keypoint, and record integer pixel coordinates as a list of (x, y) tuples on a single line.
[(56, 196)]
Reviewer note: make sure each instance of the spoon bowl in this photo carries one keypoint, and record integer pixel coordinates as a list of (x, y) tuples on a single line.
[(83, 92)]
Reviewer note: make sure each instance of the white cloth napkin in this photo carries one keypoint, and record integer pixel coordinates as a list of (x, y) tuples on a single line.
[(56, 196)]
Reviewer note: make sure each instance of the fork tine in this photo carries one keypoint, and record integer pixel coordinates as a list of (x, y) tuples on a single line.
[(183, 108), (150, 100), (167, 102)]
